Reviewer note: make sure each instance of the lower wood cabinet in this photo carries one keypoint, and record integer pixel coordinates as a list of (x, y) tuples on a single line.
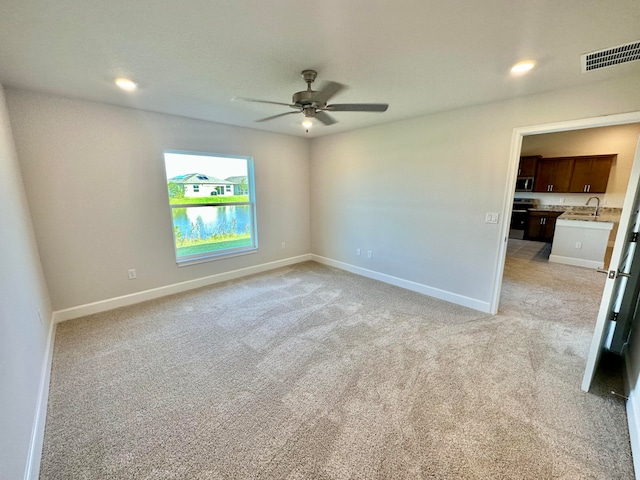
[(541, 226)]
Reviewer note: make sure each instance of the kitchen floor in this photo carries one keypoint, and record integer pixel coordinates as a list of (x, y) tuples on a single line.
[(528, 250), (539, 251)]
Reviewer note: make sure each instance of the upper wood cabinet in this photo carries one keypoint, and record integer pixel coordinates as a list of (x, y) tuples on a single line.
[(553, 174), (591, 174), (527, 167)]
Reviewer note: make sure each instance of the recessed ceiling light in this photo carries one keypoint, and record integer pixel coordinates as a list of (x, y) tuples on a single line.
[(126, 84), (522, 67)]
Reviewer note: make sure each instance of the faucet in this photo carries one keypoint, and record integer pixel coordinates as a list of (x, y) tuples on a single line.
[(595, 214)]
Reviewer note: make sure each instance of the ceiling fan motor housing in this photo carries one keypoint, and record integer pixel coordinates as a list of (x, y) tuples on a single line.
[(305, 99)]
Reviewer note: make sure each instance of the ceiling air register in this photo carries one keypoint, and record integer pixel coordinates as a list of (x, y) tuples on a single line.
[(611, 56)]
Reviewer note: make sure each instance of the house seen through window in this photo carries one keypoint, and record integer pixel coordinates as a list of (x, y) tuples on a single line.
[(212, 205)]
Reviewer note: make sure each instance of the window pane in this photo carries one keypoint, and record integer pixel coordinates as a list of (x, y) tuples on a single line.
[(200, 230), (193, 178), (210, 229)]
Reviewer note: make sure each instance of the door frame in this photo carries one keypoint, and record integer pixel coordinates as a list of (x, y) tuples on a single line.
[(514, 159)]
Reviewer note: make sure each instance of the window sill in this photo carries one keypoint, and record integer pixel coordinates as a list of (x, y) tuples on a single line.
[(216, 256)]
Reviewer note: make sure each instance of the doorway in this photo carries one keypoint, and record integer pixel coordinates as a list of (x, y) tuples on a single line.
[(536, 212), (627, 193), (516, 148)]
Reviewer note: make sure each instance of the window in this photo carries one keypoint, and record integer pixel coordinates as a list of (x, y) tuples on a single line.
[(210, 225)]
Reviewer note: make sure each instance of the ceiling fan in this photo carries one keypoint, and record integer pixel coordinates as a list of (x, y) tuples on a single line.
[(313, 104)]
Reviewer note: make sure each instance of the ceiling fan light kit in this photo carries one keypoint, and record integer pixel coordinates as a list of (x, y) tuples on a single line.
[(313, 104)]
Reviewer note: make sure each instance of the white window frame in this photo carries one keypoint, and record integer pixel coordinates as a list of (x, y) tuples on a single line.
[(228, 252)]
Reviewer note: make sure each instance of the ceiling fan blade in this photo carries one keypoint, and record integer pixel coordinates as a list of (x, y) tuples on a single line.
[(328, 90), (275, 116), (264, 101), (325, 118), (357, 107)]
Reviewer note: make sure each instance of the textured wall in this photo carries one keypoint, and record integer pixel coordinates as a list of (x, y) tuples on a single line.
[(95, 180), (414, 192), (451, 169), (23, 336)]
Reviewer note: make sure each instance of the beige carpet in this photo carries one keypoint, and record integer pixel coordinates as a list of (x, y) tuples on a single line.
[(309, 372)]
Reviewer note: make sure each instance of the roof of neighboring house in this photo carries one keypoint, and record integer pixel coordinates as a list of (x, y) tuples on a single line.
[(237, 179), (199, 178)]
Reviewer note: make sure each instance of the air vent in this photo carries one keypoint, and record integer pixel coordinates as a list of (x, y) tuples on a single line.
[(611, 56)]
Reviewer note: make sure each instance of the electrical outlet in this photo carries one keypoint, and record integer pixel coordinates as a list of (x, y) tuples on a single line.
[(369, 254), (491, 217), (578, 244), (357, 251), (283, 245), (132, 273)]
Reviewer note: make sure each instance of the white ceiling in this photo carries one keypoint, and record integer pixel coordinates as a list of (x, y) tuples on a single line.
[(191, 57)]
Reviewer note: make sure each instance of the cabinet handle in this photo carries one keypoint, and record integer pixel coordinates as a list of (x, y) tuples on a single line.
[(588, 188), (519, 171), (584, 189), (552, 188)]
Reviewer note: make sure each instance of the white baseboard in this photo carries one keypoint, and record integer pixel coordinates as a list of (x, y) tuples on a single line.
[(633, 415), (37, 433), (408, 284), (576, 262), (133, 298)]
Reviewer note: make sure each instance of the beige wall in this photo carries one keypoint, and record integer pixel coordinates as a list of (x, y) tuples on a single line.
[(414, 192), (452, 169), (95, 181), (23, 336), (621, 139)]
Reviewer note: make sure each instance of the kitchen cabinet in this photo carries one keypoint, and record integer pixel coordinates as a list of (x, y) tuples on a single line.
[(591, 174), (541, 226), (554, 174), (527, 166)]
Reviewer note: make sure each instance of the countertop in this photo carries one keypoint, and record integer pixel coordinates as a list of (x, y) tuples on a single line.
[(582, 213), (604, 217), (549, 208)]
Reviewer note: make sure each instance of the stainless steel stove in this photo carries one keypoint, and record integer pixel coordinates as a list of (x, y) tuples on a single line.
[(520, 215)]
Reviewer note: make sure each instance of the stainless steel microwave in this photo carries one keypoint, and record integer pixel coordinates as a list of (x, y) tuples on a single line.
[(524, 184)]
